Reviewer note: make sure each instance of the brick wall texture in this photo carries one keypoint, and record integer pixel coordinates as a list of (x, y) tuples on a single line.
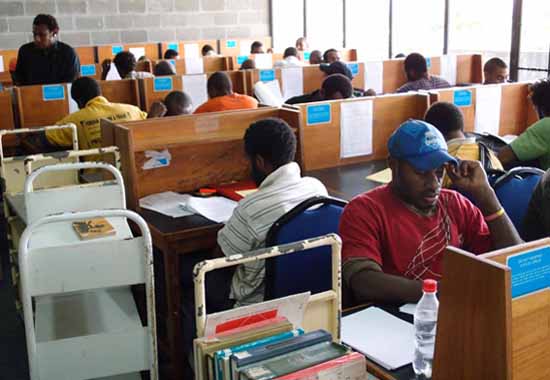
[(96, 22)]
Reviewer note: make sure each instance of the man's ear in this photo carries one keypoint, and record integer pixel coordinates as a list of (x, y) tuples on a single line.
[(393, 164), (259, 162)]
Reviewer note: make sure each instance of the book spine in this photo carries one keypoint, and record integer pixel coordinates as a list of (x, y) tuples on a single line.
[(352, 366)]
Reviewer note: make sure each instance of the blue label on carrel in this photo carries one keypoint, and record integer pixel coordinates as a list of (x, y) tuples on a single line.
[(116, 49), (174, 46), (87, 70), (231, 43), (428, 63), (53, 92), (318, 114), (162, 84), (354, 68), (530, 271), (462, 98), (307, 54), (267, 75), (241, 59)]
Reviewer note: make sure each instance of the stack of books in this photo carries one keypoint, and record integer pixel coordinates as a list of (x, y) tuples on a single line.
[(274, 349)]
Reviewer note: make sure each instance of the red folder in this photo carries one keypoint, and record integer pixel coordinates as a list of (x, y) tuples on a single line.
[(230, 190)]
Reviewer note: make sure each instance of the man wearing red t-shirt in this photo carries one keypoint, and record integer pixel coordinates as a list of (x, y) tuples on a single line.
[(395, 236)]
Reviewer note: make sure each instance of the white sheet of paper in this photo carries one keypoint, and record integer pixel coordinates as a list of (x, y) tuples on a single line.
[(356, 128), (167, 203), (269, 93), (488, 99), (380, 336), (408, 308), (448, 68), (157, 159), (1, 63), (217, 209), (244, 47), (73, 106), (138, 52), (195, 87), (293, 81), (191, 50), (263, 61), (113, 73), (194, 65), (374, 76)]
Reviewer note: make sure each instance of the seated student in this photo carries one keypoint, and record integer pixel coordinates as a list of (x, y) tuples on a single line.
[(534, 143), (222, 97), (335, 86), (257, 48), (270, 146), (301, 44), (290, 59), (46, 60), (171, 54), (448, 119), (249, 64), (208, 51), (331, 55), (176, 103), (164, 68), (495, 71), (395, 235), (11, 68), (536, 224), (315, 57), (418, 78), (125, 63)]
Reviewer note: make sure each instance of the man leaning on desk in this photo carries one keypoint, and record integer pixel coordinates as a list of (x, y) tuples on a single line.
[(394, 236)]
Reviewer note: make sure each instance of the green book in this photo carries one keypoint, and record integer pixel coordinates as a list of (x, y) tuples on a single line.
[(292, 361)]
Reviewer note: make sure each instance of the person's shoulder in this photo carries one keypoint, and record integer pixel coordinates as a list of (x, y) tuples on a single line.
[(65, 47), (455, 200), (440, 81), (27, 46), (378, 195), (542, 123), (246, 98)]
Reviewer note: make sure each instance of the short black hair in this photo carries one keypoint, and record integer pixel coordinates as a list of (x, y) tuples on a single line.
[(84, 89), (205, 49), (416, 62), (327, 52), (125, 61), (337, 83), (494, 63), (164, 68), (446, 117), (540, 96), (399, 55), (290, 51), (170, 54), (271, 139), (248, 64), (48, 20), (219, 84), (177, 98), (255, 44), (315, 56)]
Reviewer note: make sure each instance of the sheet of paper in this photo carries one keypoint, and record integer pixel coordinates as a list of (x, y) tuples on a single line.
[(113, 73), (269, 93), (73, 106), (374, 76), (195, 87), (448, 68), (194, 65), (217, 209), (244, 193), (244, 47), (263, 61), (191, 50), (167, 203), (1, 63), (356, 128), (408, 308), (293, 82), (138, 52), (157, 159), (383, 176), (291, 307), (488, 99), (380, 336)]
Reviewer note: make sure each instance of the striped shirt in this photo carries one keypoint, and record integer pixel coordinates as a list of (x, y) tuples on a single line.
[(431, 83), (247, 228)]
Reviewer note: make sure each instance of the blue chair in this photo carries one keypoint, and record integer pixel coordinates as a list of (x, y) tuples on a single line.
[(310, 270), (514, 190)]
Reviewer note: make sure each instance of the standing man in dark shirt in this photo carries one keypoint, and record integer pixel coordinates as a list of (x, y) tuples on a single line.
[(46, 60)]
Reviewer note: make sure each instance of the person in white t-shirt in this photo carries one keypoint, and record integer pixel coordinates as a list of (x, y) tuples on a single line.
[(290, 59)]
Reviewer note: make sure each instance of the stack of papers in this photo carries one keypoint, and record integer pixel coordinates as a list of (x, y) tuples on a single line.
[(380, 336), (167, 203)]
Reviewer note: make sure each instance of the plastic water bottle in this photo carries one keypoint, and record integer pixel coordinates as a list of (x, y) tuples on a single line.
[(425, 322)]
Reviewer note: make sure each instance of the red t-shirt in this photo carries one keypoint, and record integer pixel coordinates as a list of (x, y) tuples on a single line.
[(377, 225)]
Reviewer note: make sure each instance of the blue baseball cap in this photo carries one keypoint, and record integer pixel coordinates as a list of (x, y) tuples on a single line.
[(421, 145)]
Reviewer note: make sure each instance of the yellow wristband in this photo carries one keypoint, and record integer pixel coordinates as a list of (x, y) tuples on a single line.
[(494, 216)]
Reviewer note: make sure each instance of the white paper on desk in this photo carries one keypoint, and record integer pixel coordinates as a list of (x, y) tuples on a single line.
[(269, 93), (380, 336), (374, 76), (217, 209), (355, 128), (191, 51), (291, 307), (487, 117), (167, 203), (113, 74), (245, 47), (138, 52), (73, 106), (293, 81), (1, 64), (195, 87), (448, 68), (408, 308), (194, 65), (263, 61)]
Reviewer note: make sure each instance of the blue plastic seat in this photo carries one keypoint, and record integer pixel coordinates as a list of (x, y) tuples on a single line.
[(309, 270)]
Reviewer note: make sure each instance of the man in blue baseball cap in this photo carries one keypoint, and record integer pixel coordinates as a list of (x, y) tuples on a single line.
[(394, 236)]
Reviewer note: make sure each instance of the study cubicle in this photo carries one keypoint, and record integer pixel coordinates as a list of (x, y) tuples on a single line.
[(7, 120), (150, 50), (198, 65), (235, 47), (182, 154), (191, 49)]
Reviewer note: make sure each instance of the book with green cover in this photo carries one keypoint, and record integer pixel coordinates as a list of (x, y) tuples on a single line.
[(292, 361)]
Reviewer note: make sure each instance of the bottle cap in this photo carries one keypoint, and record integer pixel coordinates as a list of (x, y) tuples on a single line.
[(429, 286)]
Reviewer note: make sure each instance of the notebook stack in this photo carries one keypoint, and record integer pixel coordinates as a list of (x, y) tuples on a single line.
[(274, 349)]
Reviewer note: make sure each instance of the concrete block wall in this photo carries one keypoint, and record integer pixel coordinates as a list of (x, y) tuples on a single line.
[(97, 22)]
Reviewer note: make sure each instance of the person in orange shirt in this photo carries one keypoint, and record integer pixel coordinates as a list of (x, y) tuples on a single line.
[(222, 97)]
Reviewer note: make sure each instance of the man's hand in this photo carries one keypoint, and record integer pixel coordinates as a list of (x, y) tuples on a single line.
[(469, 177), (158, 109)]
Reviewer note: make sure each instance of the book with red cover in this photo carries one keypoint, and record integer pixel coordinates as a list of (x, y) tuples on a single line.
[(352, 366), (231, 190)]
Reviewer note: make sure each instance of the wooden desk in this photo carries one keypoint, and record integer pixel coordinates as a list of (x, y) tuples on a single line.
[(210, 64), (182, 46), (106, 51), (86, 54), (234, 47), (7, 56), (7, 120)]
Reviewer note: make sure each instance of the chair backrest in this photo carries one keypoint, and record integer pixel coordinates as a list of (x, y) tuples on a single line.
[(514, 190), (286, 275)]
